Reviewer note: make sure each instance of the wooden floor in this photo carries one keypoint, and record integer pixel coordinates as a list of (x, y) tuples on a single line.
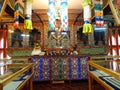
[(74, 85)]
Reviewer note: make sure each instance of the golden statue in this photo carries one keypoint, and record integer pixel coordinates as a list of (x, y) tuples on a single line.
[(37, 50)]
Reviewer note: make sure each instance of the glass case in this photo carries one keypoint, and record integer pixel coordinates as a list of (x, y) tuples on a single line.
[(16, 76), (106, 73)]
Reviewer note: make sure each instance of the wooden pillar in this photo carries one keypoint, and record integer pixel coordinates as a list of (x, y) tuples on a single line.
[(110, 40), (5, 44), (117, 46), (45, 33), (72, 35), (89, 82), (42, 35)]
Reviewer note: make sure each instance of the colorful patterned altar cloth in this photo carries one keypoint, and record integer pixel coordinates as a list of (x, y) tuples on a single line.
[(60, 67)]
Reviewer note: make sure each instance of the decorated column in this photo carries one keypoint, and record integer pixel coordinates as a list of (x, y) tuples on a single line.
[(98, 7), (28, 13), (87, 27), (52, 15), (16, 14), (64, 15)]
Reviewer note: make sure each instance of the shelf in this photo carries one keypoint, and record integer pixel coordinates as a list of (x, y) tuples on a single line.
[(15, 76), (106, 73)]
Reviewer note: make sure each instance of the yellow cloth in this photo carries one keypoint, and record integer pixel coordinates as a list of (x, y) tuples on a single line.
[(28, 25), (86, 2), (30, 0), (87, 28)]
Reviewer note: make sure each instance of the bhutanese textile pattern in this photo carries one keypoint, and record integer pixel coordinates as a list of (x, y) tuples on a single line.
[(65, 69), (83, 67), (74, 68), (60, 68), (98, 8), (78, 67), (41, 69)]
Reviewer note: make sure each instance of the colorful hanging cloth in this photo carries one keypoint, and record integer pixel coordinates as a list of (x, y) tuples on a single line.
[(87, 27), (28, 13), (52, 15), (16, 14), (98, 8), (64, 15)]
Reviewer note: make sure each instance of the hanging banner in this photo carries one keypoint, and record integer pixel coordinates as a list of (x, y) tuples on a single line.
[(64, 15), (16, 15), (28, 13), (52, 15), (87, 27), (98, 7)]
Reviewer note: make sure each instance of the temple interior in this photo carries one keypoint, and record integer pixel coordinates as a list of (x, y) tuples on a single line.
[(59, 45)]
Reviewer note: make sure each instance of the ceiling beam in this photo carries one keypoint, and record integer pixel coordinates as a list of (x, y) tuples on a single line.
[(7, 20), (70, 11)]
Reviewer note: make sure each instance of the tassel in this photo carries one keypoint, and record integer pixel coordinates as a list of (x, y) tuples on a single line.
[(28, 12), (87, 28), (28, 24)]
